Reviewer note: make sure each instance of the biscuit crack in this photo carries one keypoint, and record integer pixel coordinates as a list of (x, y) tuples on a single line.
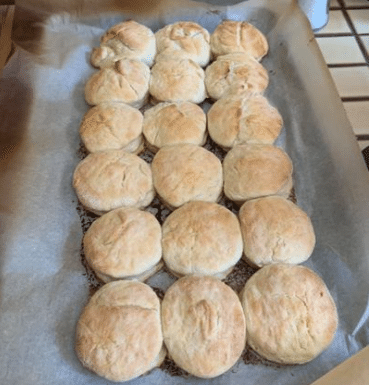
[(124, 177), (194, 242), (133, 89), (306, 319), (104, 167), (110, 129), (280, 244)]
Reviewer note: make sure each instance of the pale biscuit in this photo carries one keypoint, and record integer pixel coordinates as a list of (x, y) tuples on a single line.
[(256, 170), (201, 238), (184, 38), (175, 79), (126, 40), (186, 172), (238, 36), (239, 119), (233, 73), (127, 82), (203, 325), (106, 180), (290, 315), (275, 230), (118, 334), (112, 126), (124, 243), (174, 123)]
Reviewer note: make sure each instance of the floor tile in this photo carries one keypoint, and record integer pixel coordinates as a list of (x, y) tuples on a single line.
[(334, 3), (351, 81), (358, 114), (360, 19), (365, 40), (336, 24), (340, 50), (356, 3)]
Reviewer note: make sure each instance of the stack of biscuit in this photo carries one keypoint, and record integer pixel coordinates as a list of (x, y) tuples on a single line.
[(150, 140)]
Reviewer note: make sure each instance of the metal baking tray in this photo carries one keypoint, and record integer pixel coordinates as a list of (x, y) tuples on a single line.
[(43, 284)]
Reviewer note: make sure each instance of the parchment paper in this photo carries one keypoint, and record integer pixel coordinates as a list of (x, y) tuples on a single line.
[(43, 285)]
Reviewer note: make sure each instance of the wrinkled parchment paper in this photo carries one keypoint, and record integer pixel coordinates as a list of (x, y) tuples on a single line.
[(43, 285)]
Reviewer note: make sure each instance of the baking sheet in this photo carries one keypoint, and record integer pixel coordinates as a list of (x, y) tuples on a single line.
[(43, 285)]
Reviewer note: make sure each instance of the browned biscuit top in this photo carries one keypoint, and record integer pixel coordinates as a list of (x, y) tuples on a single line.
[(186, 172), (241, 119), (126, 40), (236, 36), (174, 123), (291, 317), (118, 335), (106, 180), (235, 72), (201, 238), (112, 126), (256, 170), (185, 38), (203, 325), (122, 243), (127, 82), (177, 79), (274, 230)]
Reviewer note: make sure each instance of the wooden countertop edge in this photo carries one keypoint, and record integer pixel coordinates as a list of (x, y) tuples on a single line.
[(353, 371)]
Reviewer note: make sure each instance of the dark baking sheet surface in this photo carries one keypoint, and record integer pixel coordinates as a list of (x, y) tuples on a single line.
[(43, 285)]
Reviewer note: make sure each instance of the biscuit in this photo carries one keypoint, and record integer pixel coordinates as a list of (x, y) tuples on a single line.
[(290, 315), (184, 38), (256, 170), (175, 79), (201, 238), (174, 123), (238, 36), (275, 230), (233, 73), (106, 180), (126, 40), (127, 82), (118, 334), (234, 120), (124, 243), (112, 126), (186, 172), (203, 325)]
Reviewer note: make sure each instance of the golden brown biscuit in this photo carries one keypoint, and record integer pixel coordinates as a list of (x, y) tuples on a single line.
[(256, 170), (124, 243), (126, 40), (174, 123), (238, 36), (290, 315), (175, 79), (184, 38), (127, 82), (112, 126), (201, 238), (186, 172), (203, 325), (118, 335), (106, 180), (275, 230), (235, 72), (240, 119)]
